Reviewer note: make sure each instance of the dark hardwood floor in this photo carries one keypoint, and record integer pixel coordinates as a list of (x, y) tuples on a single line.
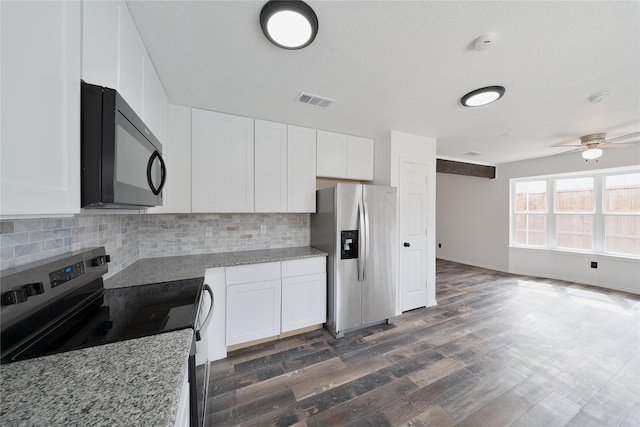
[(498, 350)]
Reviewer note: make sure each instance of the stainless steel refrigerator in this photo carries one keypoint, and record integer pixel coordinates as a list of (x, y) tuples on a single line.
[(356, 225)]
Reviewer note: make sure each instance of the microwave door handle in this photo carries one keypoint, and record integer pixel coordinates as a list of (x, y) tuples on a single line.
[(163, 173)]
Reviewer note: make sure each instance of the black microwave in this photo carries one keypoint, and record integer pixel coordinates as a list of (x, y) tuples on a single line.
[(121, 160)]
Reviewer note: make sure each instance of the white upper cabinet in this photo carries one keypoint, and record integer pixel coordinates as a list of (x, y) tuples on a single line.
[(301, 169), (100, 47), (344, 156), (222, 162), (270, 166), (131, 63), (113, 55), (176, 150), (154, 102), (40, 132), (332, 154), (285, 163), (360, 158)]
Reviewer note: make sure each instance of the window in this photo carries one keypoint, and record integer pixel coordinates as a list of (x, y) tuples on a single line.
[(531, 213), (622, 214), (575, 212), (597, 212)]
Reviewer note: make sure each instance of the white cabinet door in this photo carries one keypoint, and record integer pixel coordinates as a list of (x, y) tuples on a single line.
[(344, 156), (176, 151), (301, 169), (304, 293), (359, 158), (222, 162), (253, 311), (182, 413), (304, 301), (270, 166), (331, 155), (40, 151), (100, 35), (131, 63), (114, 56), (155, 101)]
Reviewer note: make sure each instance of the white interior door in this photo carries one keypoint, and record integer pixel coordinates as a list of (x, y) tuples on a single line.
[(412, 195)]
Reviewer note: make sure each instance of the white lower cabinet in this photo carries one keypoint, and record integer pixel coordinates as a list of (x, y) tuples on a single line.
[(253, 311), (253, 302), (266, 300), (304, 293), (303, 301), (182, 414)]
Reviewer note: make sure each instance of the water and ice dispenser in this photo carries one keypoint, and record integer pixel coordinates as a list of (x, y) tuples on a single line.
[(349, 244)]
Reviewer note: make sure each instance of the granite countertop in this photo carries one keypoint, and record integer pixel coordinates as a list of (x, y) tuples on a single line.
[(133, 382), (166, 269)]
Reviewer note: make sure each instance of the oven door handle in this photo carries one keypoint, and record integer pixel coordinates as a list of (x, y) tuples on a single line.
[(207, 320)]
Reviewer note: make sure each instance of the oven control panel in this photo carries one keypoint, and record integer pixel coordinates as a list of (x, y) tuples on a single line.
[(63, 275)]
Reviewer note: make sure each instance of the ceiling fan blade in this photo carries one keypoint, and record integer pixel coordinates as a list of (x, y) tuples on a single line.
[(630, 137), (566, 145), (620, 144), (575, 150)]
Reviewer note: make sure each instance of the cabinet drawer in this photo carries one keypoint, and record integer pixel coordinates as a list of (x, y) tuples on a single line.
[(253, 273), (301, 267)]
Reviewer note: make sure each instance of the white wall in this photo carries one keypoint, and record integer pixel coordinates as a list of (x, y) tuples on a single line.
[(472, 220), (473, 224)]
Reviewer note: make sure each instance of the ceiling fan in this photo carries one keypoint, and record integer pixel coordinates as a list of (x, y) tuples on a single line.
[(591, 145)]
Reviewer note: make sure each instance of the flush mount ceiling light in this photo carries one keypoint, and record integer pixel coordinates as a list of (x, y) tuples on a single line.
[(482, 96), (289, 24)]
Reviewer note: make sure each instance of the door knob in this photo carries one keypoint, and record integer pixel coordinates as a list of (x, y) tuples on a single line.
[(407, 244)]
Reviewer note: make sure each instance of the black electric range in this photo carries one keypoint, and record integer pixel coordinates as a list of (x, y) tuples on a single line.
[(60, 304)]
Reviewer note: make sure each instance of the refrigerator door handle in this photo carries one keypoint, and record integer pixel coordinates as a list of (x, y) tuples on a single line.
[(366, 237), (361, 242)]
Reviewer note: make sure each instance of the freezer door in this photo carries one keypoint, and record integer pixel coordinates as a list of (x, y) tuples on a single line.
[(380, 254), (347, 288)]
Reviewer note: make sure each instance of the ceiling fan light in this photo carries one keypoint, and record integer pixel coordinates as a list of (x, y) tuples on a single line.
[(591, 153), (482, 96), (289, 24)]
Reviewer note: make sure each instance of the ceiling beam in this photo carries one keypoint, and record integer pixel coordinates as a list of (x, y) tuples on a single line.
[(469, 169)]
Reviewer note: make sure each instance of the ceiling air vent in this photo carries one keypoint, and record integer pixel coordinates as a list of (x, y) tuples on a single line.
[(314, 100), (473, 154)]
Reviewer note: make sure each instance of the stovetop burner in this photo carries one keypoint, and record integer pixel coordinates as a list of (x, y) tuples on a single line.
[(75, 311)]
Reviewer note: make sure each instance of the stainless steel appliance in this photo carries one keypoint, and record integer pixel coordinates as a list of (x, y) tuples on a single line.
[(122, 165), (356, 225), (60, 304)]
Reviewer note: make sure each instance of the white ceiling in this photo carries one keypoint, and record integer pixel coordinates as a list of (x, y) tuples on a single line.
[(403, 65)]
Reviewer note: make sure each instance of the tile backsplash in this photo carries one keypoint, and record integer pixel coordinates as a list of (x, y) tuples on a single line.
[(186, 234), (129, 237), (28, 240)]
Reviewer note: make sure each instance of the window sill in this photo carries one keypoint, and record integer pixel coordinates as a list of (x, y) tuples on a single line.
[(574, 252)]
